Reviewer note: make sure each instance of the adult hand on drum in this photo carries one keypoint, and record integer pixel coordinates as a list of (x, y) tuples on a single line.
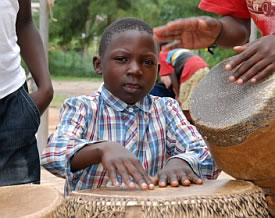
[(257, 59), (116, 159), (176, 172)]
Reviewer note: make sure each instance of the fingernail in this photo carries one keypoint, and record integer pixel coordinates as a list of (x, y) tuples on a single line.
[(151, 186), (228, 67), (239, 81), (253, 80), (231, 79)]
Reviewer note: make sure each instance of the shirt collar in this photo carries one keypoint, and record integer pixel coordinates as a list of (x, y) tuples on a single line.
[(117, 104)]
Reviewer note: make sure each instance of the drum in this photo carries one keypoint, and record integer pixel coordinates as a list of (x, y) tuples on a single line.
[(238, 123), (219, 198), (29, 201)]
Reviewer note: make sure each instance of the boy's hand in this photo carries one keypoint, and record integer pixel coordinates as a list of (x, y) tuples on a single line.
[(118, 160), (257, 59), (176, 172)]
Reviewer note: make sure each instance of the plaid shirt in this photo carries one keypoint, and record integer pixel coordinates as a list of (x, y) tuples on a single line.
[(154, 129)]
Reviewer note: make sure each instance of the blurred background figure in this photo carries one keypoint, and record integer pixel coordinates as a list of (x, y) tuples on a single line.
[(180, 72)]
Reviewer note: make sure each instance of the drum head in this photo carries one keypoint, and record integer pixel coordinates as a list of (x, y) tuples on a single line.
[(220, 198), (28, 201), (226, 113)]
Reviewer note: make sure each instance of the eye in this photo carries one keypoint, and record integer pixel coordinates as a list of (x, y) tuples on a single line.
[(148, 62), (120, 59)]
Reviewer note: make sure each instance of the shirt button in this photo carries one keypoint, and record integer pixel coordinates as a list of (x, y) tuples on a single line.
[(131, 109)]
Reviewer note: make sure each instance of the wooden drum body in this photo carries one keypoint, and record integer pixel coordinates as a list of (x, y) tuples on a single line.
[(238, 123), (29, 201), (220, 198)]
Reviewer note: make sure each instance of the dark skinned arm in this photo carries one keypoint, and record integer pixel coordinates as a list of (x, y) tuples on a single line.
[(234, 32), (201, 32), (116, 160), (256, 58), (33, 53)]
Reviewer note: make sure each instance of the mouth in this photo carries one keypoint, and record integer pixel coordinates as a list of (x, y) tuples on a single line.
[(131, 87)]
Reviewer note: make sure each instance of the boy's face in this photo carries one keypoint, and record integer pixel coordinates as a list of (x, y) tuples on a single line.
[(129, 65)]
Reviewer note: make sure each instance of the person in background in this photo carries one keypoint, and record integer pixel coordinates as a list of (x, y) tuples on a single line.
[(180, 70), (122, 134), (19, 111), (257, 58)]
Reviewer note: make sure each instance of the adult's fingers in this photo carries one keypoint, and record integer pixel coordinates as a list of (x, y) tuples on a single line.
[(172, 45), (245, 53), (270, 69)]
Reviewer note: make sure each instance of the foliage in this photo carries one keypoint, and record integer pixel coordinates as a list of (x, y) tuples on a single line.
[(69, 63), (80, 24)]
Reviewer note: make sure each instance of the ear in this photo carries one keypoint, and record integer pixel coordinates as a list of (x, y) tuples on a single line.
[(97, 65)]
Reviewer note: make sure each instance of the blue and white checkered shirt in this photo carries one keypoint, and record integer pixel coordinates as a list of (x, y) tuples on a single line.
[(154, 129)]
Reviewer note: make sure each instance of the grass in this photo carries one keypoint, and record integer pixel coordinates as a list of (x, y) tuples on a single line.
[(70, 78), (58, 100)]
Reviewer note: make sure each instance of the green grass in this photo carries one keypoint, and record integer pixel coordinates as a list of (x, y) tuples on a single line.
[(71, 78), (58, 100)]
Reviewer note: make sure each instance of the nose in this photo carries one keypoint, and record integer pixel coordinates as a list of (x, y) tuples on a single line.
[(134, 69)]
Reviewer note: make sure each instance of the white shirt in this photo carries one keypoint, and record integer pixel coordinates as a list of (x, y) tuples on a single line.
[(12, 75)]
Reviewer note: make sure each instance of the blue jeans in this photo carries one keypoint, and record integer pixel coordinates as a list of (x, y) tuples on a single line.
[(19, 121)]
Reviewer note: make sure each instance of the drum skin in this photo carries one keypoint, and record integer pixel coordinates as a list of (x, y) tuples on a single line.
[(238, 124), (216, 198), (29, 201)]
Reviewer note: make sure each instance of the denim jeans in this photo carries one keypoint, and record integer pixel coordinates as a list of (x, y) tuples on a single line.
[(19, 121)]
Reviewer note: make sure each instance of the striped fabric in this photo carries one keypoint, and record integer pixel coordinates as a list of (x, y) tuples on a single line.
[(153, 129)]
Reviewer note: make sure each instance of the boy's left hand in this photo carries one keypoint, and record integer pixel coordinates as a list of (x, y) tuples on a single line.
[(257, 59), (176, 172)]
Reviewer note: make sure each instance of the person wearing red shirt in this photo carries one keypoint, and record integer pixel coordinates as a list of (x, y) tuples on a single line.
[(181, 70), (232, 30)]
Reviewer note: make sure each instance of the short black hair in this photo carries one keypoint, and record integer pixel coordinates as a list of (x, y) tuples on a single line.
[(119, 26)]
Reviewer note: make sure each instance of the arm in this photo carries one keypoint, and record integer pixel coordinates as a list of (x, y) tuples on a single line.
[(201, 32), (33, 53), (190, 159), (116, 159)]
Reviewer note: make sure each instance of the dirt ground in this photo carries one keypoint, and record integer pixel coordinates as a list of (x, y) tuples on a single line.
[(69, 89)]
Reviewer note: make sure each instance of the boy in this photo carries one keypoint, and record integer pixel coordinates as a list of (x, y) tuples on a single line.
[(19, 111), (122, 134)]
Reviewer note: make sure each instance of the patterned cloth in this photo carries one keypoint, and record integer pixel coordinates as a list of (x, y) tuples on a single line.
[(154, 129), (187, 88)]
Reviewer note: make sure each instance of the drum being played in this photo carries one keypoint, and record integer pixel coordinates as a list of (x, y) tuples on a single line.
[(29, 201), (219, 198), (238, 122)]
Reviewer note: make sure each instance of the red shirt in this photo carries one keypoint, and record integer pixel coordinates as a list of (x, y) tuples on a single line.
[(192, 65), (261, 11)]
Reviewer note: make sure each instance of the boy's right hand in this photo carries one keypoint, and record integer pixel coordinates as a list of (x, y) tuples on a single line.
[(118, 160)]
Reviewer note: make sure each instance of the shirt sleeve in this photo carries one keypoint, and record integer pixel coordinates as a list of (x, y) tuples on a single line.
[(236, 8), (186, 143), (68, 139)]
